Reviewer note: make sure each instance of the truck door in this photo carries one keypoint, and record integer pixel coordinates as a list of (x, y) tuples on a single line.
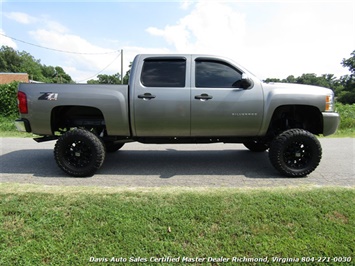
[(161, 97), (219, 106)]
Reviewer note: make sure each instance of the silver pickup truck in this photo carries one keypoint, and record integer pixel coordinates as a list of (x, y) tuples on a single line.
[(180, 99)]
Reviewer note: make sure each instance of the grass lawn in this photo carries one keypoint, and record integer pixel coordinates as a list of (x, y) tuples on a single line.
[(42, 225)]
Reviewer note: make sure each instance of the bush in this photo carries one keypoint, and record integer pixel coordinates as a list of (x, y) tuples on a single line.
[(8, 99), (346, 97), (347, 115)]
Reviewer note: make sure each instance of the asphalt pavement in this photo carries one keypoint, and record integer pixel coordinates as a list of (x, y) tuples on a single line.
[(24, 161)]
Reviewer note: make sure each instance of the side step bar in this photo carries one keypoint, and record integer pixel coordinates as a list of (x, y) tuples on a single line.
[(46, 138)]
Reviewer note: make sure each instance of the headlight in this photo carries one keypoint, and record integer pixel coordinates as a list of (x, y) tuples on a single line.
[(329, 103)]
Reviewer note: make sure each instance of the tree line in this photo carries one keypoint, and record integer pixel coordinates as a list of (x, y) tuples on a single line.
[(343, 87), (15, 61), (23, 62)]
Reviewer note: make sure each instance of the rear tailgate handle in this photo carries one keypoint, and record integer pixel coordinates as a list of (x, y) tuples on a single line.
[(146, 96), (203, 97)]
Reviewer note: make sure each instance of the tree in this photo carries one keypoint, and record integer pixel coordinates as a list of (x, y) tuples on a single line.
[(31, 66), (60, 76), (290, 79), (106, 79), (49, 73), (344, 87), (271, 80), (128, 73), (346, 95), (350, 63), (15, 61), (111, 79), (308, 79), (10, 61)]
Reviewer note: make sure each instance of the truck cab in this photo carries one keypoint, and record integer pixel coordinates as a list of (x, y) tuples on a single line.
[(194, 96)]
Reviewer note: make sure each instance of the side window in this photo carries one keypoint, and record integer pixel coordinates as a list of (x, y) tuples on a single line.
[(216, 74), (164, 72)]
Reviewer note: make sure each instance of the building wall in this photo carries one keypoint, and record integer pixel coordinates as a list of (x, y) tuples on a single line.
[(10, 77)]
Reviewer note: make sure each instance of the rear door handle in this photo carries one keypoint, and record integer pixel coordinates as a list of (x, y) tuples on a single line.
[(146, 96), (203, 97)]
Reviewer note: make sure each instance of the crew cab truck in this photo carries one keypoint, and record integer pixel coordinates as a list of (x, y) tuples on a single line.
[(180, 99)]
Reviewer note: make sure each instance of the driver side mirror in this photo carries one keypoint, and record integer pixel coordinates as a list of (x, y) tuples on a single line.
[(246, 82)]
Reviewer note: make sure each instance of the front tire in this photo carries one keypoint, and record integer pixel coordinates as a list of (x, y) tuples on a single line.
[(295, 153), (79, 153)]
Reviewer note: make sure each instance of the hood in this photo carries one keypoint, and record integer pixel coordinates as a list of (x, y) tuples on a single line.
[(309, 89)]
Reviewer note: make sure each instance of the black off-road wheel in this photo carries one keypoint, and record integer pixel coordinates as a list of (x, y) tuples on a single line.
[(295, 153), (79, 153)]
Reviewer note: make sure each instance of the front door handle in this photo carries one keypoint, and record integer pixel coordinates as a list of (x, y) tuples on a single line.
[(203, 97), (146, 96)]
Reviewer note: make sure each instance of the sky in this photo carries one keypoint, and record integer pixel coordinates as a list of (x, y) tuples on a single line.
[(273, 39)]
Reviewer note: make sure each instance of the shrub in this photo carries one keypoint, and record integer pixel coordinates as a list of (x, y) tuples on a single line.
[(8, 99), (347, 115)]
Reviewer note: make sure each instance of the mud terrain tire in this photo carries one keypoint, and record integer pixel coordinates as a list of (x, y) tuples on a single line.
[(79, 153), (295, 153)]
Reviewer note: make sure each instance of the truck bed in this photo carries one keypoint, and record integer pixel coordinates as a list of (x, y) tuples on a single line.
[(44, 100)]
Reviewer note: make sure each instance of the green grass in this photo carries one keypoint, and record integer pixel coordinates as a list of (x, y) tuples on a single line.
[(8, 129), (68, 226), (347, 123), (347, 113)]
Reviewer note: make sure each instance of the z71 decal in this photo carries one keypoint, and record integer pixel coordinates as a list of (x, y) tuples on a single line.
[(48, 96)]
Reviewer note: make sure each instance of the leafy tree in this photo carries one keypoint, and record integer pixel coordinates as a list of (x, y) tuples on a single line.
[(312, 79), (350, 63), (346, 94), (49, 72), (290, 79), (111, 79), (106, 79), (309, 79), (128, 73), (271, 80), (10, 61), (31, 66), (60, 76), (15, 61), (344, 87)]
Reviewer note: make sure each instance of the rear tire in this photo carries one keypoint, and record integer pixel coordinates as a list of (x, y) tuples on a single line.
[(79, 153), (295, 153)]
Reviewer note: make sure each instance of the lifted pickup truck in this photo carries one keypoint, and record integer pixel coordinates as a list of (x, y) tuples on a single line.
[(180, 99)]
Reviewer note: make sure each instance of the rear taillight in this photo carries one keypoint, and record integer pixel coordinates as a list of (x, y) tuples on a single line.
[(22, 102)]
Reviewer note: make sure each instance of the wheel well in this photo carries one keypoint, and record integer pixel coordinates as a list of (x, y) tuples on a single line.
[(296, 116), (65, 117)]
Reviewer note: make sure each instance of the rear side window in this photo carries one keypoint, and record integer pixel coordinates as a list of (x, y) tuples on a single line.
[(216, 74), (164, 73)]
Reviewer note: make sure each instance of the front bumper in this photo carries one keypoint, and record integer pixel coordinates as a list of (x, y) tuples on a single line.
[(331, 121), (23, 125)]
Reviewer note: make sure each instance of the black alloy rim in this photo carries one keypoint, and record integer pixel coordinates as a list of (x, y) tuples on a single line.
[(78, 154), (297, 155)]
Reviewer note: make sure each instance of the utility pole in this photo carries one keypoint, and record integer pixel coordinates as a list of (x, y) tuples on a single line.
[(121, 66)]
